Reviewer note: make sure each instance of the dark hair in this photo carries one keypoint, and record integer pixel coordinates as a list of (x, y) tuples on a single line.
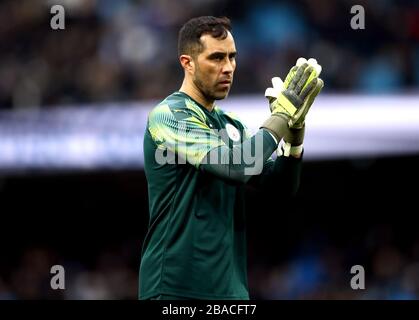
[(189, 41)]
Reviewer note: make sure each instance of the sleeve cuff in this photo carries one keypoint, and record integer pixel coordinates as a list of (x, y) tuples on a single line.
[(286, 150)]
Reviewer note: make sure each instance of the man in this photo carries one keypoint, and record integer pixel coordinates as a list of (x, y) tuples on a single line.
[(195, 247)]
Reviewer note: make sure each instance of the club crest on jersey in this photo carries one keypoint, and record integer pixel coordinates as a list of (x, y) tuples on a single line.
[(232, 132)]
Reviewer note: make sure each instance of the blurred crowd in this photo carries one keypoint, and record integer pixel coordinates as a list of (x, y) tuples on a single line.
[(126, 49), (315, 270), (106, 273), (322, 269)]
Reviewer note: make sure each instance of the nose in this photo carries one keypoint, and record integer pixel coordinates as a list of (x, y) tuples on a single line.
[(228, 67)]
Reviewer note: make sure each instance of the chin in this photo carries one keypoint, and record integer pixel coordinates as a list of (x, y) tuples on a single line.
[(221, 96)]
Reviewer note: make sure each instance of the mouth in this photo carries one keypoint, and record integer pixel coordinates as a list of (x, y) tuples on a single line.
[(225, 84)]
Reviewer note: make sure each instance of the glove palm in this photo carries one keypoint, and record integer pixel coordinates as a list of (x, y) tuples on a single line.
[(295, 96)]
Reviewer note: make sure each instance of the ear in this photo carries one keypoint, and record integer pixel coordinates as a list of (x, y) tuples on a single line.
[(187, 63)]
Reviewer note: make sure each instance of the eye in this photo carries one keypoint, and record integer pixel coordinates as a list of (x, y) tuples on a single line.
[(218, 57)]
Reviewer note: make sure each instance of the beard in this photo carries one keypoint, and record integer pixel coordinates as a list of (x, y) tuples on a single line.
[(209, 91)]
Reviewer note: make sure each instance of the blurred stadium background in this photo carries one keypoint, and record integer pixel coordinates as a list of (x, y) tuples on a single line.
[(73, 106)]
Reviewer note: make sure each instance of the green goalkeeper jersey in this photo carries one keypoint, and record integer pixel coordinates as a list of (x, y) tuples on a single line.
[(195, 246)]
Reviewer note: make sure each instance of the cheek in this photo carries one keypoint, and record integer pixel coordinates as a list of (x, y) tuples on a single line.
[(208, 73), (234, 65)]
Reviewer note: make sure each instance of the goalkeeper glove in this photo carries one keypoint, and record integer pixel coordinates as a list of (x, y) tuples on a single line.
[(295, 96), (286, 99)]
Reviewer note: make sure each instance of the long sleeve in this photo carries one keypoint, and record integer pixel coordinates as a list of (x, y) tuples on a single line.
[(241, 162), (182, 136), (282, 175)]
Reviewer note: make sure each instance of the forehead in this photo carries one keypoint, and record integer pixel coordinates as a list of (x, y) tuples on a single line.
[(212, 44)]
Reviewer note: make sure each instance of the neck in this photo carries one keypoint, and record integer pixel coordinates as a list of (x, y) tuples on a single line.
[(191, 90)]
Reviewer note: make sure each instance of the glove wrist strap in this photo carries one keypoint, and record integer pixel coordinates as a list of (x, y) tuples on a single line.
[(277, 124)]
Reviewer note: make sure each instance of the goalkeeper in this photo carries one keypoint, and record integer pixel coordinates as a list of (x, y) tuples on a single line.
[(195, 247)]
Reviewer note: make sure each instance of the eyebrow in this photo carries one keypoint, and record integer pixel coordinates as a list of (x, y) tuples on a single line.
[(217, 54)]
